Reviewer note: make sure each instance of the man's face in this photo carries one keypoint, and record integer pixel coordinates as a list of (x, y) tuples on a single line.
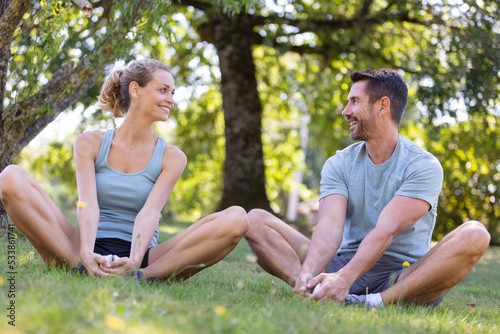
[(359, 112)]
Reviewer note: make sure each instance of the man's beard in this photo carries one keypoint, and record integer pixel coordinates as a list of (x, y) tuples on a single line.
[(364, 128)]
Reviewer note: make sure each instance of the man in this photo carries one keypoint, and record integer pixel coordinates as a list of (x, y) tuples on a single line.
[(377, 211)]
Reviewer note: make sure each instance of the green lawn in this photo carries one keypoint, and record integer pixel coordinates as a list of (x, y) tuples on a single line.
[(234, 296)]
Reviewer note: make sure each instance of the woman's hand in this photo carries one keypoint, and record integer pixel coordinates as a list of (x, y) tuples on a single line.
[(123, 266), (94, 263)]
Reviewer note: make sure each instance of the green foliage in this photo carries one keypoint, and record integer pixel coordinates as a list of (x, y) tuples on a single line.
[(449, 48), (53, 166), (36, 47), (465, 62), (469, 152), (53, 33), (200, 134), (196, 124), (283, 108)]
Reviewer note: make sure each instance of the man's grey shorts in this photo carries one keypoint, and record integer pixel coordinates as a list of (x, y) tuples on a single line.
[(379, 278)]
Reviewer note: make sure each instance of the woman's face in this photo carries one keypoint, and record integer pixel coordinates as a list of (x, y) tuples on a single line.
[(156, 98)]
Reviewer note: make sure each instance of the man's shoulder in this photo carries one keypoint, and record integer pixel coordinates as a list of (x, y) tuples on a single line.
[(418, 155), (342, 161), (414, 148), (348, 153)]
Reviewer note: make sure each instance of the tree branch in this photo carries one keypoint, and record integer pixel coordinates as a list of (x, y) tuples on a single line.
[(315, 25), (47, 92), (40, 123), (365, 10), (85, 6), (10, 19), (196, 4)]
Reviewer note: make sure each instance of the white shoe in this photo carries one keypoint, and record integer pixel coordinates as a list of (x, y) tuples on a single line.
[(110, 258), (372, 299)]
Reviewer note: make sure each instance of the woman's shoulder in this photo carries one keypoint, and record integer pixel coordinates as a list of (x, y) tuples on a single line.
[(173, 151), (173, 154), (90, 135), (89, 139)]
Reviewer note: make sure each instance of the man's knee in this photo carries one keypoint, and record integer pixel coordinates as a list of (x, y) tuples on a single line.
[(474, 237), (477, 233), (257, 215), (257, 219)]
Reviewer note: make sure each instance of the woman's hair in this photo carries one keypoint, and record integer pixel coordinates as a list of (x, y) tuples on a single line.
[(115, 96)]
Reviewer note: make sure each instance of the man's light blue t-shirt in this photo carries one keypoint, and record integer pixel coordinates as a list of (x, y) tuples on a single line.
[(410, 171)]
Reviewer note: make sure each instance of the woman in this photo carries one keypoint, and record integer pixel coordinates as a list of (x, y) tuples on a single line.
[(124, 178)]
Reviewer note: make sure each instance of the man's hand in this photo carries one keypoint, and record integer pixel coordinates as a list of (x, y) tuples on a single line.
[(301, 284), (333, 287)]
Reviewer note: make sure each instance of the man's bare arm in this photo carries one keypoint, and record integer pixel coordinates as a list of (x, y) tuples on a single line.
[(325, 240), (399, 214)]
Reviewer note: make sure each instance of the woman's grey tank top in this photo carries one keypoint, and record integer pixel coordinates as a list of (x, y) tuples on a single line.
[(122, 195)]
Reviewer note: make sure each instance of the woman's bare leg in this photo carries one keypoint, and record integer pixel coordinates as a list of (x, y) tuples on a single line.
[(38, 218), (201, 245)]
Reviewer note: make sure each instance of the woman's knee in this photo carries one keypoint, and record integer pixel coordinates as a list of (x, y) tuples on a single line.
[(237, 218), (10, 178)]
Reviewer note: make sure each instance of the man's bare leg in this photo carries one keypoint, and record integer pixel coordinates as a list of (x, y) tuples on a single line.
[(443, 267), (280, 249)]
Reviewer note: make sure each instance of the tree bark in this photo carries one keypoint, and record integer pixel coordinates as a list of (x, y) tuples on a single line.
[(11, 13), (244, 177)]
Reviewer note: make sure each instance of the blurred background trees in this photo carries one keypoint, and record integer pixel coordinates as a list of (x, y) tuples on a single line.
[(245, 80)]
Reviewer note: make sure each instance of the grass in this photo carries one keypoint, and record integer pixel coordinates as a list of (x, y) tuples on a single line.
[(234, 296)]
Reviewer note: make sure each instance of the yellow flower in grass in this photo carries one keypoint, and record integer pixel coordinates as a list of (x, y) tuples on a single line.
[(114, 322), (1, 281), (220, 310), (80, 204), (251, 258)]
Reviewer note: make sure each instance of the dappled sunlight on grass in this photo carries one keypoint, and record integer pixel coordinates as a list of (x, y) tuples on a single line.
[(493, 255), (168, 230), (171, 229)]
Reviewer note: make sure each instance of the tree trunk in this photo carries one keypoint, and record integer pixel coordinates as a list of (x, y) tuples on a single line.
[(244, 178), (4, 64)]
